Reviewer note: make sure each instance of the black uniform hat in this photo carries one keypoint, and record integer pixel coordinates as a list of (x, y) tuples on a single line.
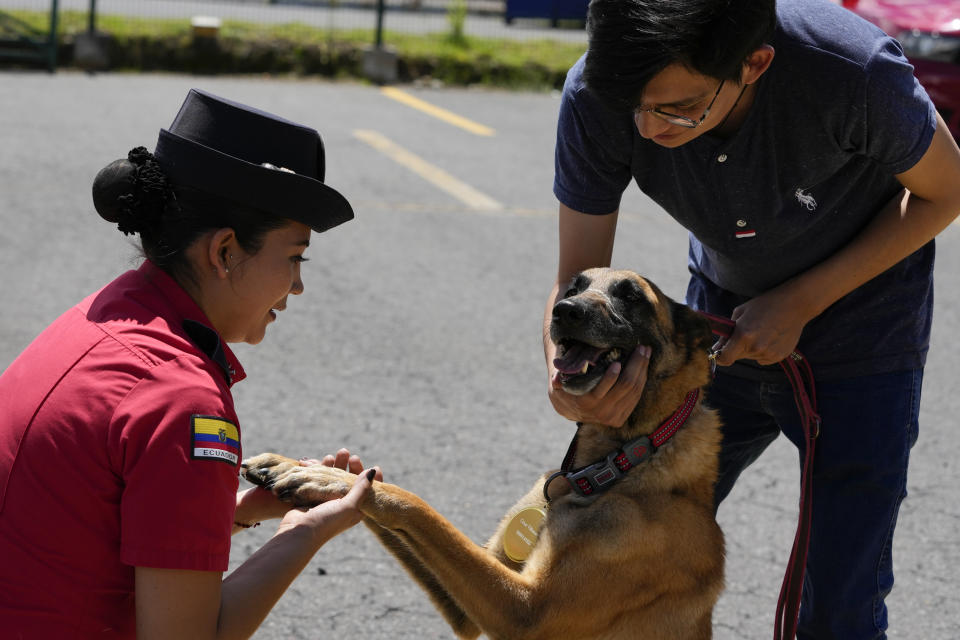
[(251, 157)]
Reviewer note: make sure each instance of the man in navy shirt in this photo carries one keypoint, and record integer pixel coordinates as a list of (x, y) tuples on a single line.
[(813, 173)]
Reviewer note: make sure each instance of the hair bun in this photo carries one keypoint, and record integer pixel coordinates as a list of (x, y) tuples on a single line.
[(115, 180), (132, 192)]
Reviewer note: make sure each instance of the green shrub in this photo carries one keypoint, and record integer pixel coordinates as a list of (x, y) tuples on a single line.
[(244, 47)]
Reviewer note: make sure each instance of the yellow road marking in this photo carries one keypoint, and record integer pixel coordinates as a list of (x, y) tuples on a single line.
[(437, 112), (436, 176)]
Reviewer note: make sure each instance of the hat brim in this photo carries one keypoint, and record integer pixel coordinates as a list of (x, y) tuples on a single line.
[(287, 195)]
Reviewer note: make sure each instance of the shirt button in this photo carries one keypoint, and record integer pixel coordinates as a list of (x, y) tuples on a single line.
[(722, 157)]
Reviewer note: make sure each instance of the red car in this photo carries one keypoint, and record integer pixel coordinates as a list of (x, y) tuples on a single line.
[(929, 31)]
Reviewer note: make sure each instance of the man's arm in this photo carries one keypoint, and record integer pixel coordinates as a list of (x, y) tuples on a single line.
[(769, 326), (587, 241)]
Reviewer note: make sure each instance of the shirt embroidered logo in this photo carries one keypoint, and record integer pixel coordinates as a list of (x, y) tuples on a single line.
[(214, 439), (806, 200)]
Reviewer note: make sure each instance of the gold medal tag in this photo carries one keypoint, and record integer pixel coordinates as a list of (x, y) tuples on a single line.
[(520, 536)]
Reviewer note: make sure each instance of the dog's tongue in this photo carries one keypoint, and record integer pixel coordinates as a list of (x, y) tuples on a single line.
[(575, 356)]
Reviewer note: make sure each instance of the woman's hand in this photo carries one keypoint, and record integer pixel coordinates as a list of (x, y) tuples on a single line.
[(332, 517), (258, 504), (342, 460), (335, 516), (613, 399)]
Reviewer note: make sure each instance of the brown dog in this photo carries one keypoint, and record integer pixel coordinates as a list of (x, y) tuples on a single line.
[(628, 546)]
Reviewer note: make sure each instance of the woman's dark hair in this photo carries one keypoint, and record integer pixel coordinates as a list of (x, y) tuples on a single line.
[(630, 41), (135, 194)]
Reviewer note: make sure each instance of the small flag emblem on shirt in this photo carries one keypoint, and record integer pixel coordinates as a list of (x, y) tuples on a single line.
[(746, 233), (215, 439)]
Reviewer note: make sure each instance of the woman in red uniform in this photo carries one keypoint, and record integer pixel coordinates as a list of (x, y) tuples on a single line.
[(119, 443)]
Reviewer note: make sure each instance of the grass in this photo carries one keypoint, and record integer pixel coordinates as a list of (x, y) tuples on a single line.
[(141, 44)]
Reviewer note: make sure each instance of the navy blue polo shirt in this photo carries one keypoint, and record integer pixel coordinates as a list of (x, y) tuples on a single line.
[(834, 118)]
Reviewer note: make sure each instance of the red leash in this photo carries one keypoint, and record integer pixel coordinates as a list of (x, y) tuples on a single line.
[(798, 372)]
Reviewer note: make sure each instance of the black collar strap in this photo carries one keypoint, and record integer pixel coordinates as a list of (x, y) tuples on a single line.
[(600, 476), (208, 341)]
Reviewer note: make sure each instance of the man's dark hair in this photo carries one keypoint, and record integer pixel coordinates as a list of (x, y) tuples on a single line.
[(630, 41)]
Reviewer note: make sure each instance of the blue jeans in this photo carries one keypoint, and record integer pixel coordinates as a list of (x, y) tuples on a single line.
[(860, 477)]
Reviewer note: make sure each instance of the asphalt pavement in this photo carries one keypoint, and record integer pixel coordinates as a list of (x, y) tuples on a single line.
[(417, 341)]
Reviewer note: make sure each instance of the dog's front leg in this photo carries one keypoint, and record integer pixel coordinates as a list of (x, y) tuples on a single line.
[(496, 598), (499, 600), (284, 476), (462, 626)]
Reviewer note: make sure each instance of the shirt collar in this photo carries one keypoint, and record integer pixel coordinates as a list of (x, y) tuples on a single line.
[(195, 323)]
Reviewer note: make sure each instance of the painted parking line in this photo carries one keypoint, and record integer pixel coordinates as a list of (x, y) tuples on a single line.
[(434, 175), (437, 112)]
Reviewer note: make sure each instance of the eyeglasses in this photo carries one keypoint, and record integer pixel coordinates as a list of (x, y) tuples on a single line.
[(680, 121)]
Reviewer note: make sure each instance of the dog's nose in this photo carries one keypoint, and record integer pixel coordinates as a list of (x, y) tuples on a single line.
[(569, 312)]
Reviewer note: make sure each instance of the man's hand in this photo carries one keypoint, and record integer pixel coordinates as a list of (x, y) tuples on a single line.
[(613, 399), (767, 329)]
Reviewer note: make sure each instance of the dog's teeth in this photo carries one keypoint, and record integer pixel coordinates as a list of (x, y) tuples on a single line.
[(586, 365)]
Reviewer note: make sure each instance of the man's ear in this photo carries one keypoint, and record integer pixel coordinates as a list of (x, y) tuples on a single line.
[(757, 63), (221, 247)]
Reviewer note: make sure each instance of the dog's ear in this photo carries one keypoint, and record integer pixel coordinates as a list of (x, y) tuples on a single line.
[(693, 330)]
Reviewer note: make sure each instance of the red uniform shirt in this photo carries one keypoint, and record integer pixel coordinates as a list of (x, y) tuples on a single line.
[(119, 447)]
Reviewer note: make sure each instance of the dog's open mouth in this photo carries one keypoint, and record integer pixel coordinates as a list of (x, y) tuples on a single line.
[(581, 365)]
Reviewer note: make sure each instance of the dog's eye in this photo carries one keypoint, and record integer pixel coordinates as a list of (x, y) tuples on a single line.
[(579, 283), (627, 290)]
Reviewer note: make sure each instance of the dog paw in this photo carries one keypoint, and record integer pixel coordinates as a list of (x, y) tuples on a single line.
[(300, 486), (264, 469), (309, 486)]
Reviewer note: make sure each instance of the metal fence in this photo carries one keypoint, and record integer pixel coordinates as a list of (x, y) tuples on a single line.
[(510, 19), (21, 41)]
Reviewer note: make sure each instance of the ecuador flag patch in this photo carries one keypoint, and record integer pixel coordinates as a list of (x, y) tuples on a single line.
[(214, 438)]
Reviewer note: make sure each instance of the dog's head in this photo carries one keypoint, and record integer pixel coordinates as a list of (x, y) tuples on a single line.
[(605, 314)]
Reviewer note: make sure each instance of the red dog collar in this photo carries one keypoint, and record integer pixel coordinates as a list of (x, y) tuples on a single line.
[(602, 475)]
